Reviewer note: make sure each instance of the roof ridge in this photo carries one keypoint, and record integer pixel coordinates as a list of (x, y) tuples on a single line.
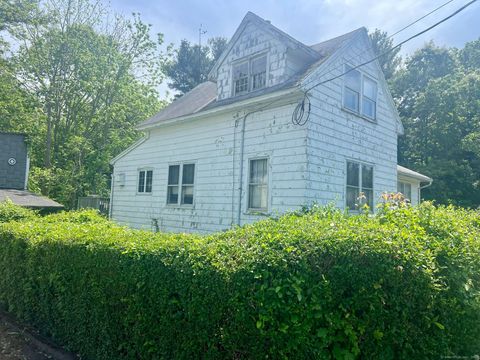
[(339, 36)]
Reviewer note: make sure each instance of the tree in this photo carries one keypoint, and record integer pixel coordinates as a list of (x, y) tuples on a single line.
[(93, 81), (381, 43), (438, 97), (190, 64)]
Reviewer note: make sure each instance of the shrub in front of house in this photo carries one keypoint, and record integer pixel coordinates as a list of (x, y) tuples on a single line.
[(11, 212), (403, 284)]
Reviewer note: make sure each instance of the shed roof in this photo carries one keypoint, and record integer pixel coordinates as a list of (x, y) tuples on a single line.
[(28, 199), (412, 174)]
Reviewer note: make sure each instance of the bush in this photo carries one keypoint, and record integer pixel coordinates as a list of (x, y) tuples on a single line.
[(403, 284), (11, 212), (79, 216)]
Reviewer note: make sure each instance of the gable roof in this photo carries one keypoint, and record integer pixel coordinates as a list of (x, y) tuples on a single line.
[(266, 26), (203, 96)]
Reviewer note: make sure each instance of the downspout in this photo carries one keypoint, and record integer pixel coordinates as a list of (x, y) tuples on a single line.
[(242, 151), (423, 187), (112, 187), (27, 170)]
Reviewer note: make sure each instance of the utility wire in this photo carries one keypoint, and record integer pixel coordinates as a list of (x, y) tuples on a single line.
[(328, 71), (419, 19), (396, 46)]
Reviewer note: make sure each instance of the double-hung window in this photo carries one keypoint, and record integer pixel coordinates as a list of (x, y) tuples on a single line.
[(240, 78), (405, 189), (258, 185), (360, 93), (359, 181), (145, 178), (258, 72), (249, 75), (352, 90), (181, 179)]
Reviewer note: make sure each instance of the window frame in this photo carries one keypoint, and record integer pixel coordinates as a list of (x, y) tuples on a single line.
[(249, 59), (361, 164), (360, 112), (144, 192), (239, 63), (180, 184), (402, 182), (266, 184)]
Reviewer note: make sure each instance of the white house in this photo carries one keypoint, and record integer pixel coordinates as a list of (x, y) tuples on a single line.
[(278, 125)]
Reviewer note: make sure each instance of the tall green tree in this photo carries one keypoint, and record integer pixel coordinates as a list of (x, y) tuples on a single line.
[(93, 80), (382, 44), (438, 97), (190, 64)]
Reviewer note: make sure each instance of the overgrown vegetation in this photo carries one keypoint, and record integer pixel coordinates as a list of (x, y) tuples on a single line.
[(403, 284), (77, 79)]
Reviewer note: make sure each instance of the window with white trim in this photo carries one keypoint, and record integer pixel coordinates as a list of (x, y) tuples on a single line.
[(258, 184), (181, 182), (405, 188), (240, 78), (145, 179), (359, 93), (249, 75), (359, 181)]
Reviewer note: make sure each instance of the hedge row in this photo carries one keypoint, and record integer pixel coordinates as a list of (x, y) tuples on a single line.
[(404, 284)]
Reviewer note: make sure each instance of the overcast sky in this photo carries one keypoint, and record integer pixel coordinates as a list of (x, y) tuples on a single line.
[(309, 21)]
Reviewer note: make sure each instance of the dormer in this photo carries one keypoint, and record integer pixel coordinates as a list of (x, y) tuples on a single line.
[(257, 57)]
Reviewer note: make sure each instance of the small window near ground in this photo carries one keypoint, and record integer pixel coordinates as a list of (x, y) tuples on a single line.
[(405, 189), (359, 182), (258, 185), (183, 174), (145, 179)]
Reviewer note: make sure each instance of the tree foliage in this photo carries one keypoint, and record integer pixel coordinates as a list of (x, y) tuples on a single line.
[(91, 77), (438, 96), (382, 44), (190, 64)]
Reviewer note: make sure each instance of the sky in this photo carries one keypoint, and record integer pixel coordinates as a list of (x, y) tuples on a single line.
[(309, 21)]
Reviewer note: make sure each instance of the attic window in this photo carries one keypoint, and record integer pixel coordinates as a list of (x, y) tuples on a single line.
[(240, 78), (259, 72), (250, 75)]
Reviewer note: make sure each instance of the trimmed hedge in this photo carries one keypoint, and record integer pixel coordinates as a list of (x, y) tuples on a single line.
[(403, 284), (11, 212)]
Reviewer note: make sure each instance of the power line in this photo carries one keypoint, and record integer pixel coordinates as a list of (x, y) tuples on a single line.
[(419, 19), (396, 46), (331, 69)]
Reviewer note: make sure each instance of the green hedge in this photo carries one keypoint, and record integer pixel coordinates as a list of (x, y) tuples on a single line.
[(403, 284)]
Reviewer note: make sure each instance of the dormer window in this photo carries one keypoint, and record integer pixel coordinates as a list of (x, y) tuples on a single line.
[(259, 72), (250, 75), (240, 78)]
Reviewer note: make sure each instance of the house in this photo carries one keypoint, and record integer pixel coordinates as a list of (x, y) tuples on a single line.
[(14, 166), (278, 125)]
